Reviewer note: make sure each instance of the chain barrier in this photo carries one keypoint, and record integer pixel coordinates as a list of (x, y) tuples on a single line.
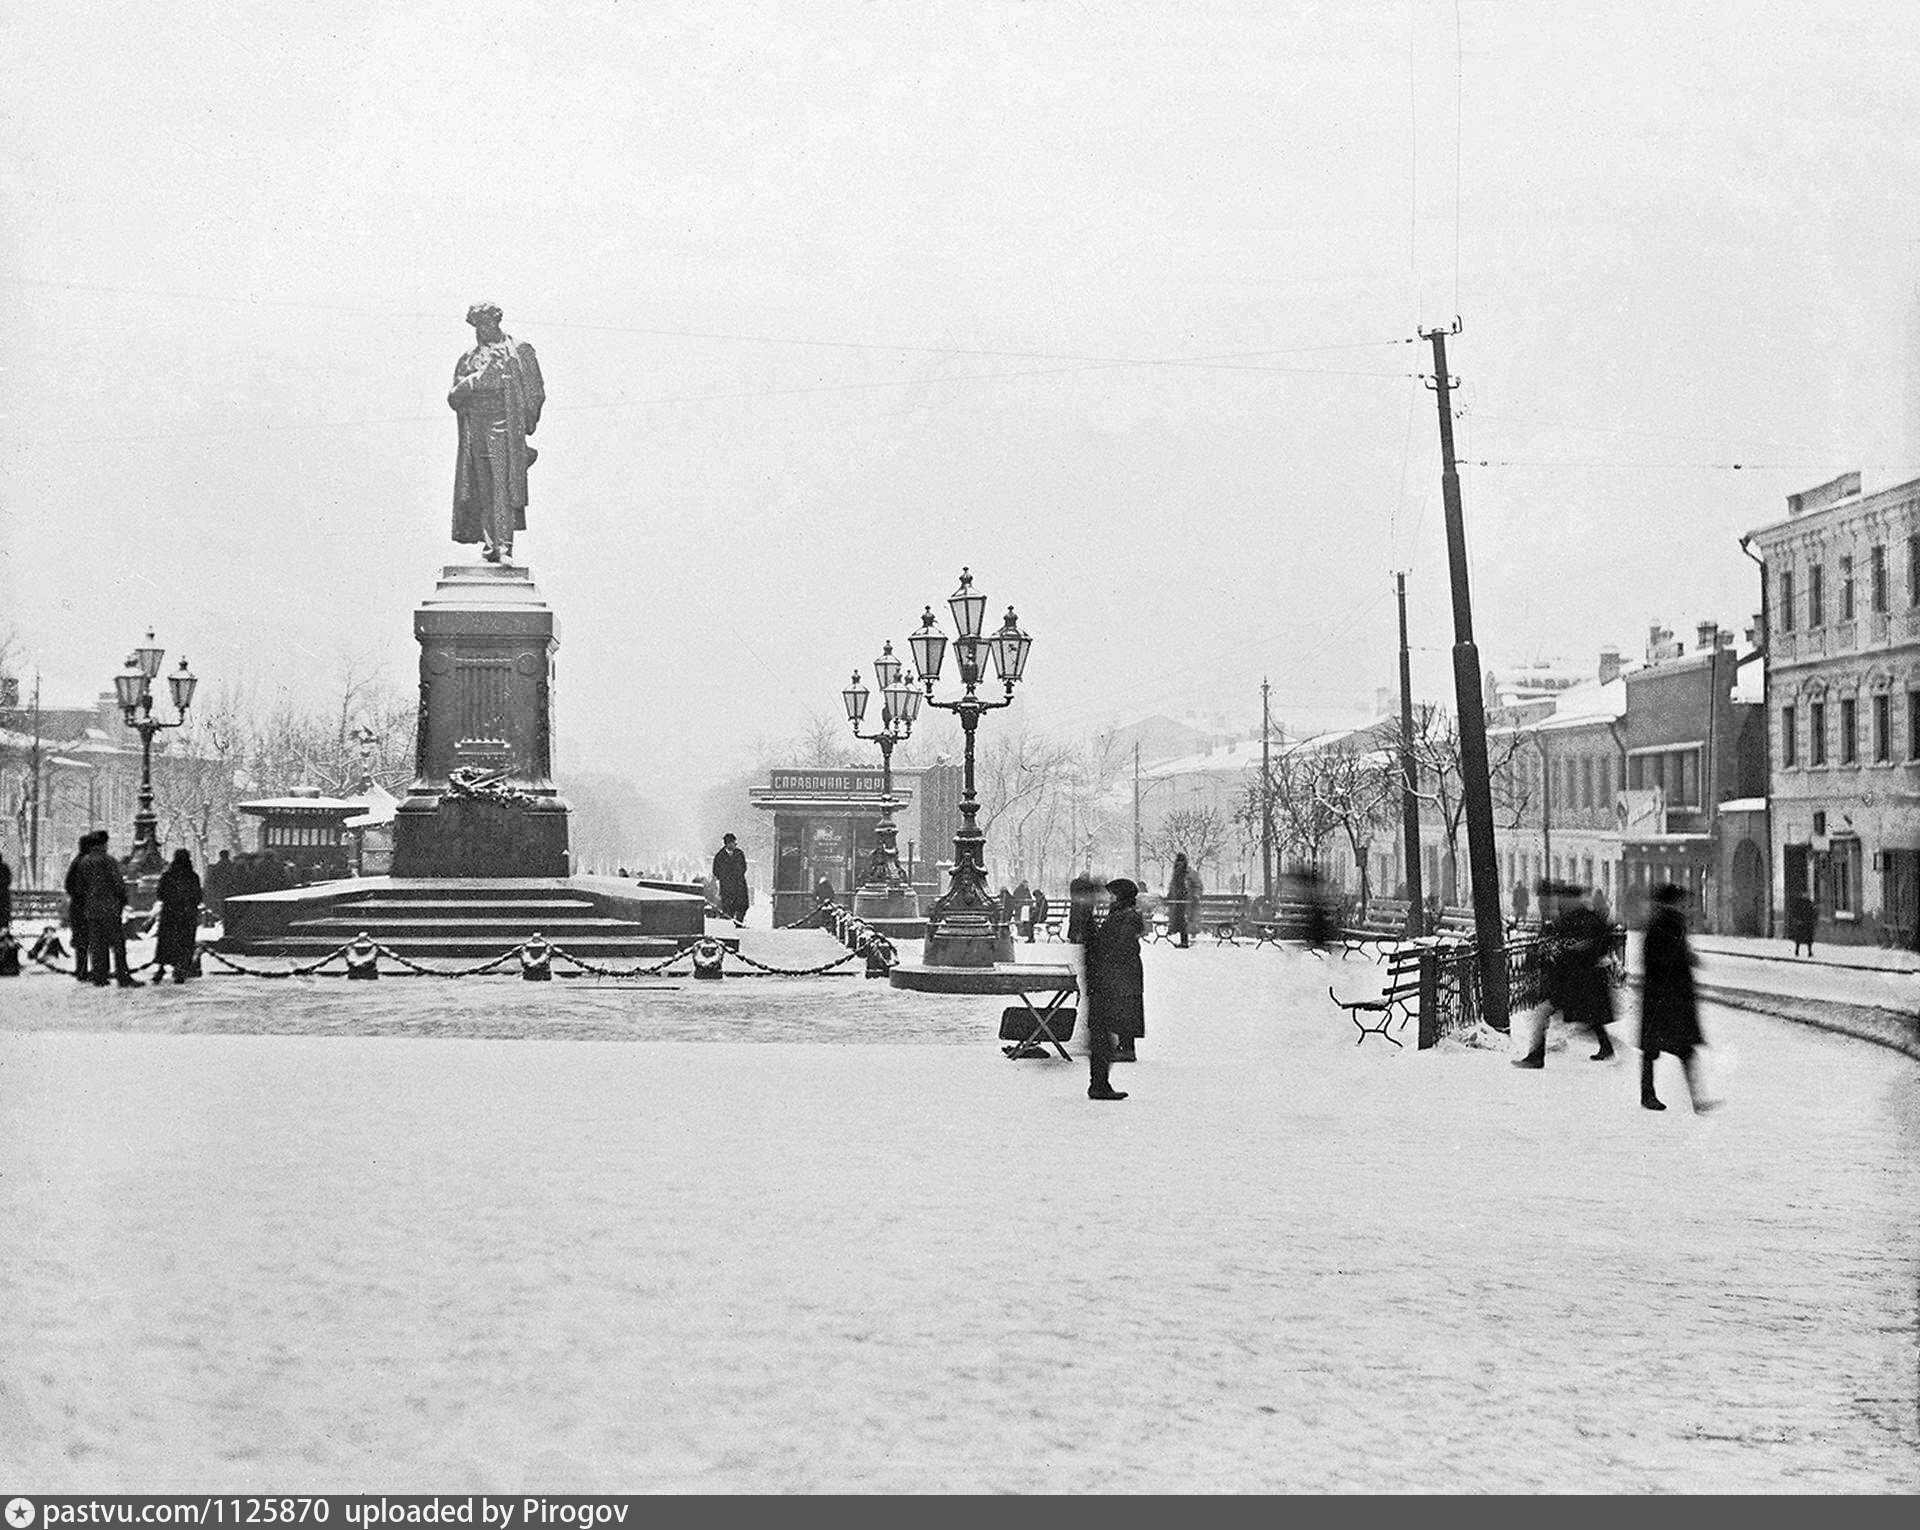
[(306, 970)]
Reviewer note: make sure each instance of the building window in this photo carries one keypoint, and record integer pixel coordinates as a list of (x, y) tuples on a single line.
[(1789, 739), (1786, 593), (1817, 733), (1913, 725), (1817, 596), (1849, 725), (1846, 589), (1877, 574), (1882, 730), (1913, 569), (1686, 779), (1586, 783)]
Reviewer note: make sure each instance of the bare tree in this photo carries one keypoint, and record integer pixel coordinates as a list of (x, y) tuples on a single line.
[(1200, 833), (1442, 777), (1358, 782)]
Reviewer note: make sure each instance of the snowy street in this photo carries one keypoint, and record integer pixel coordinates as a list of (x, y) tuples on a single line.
[(820, 1235)]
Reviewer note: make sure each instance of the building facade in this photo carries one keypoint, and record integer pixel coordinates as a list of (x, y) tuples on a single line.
[(1841, 581)]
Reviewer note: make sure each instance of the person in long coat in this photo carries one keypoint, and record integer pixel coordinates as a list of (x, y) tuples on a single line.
[(179, 896), (1182, 901), (1082, 928), (1669, 1009), (730, 872), (1113, 969), (76, 909), (1586, 986), (103, 905)]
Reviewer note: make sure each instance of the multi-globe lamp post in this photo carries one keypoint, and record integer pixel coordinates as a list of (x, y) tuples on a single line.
[(886, 897), (963, 928), (133, 687)]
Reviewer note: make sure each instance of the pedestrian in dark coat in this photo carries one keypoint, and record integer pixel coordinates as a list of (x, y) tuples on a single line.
[(179, 897), (730, 872), (1586, 986), (76, 910), (1182, 902), (103, 904), (1669, 1010), (1802, 921), (1114, 971), (6, 895), (1041, 909), (1081, 929)]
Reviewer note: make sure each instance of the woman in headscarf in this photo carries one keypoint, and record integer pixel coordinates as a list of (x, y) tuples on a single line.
[(179, 896), (1113, 969)]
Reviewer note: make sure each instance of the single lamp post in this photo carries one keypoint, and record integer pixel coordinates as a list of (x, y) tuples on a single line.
[(134, 688), (886, 894), (963, 927)]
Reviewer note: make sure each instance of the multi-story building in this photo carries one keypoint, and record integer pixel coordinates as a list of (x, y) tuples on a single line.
[(1841, 603), (1692, 808)]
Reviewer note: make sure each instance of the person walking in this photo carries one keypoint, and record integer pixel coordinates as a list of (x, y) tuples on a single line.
[(1802, 920), (179, 896), (1669, 1008), (1586, 986), (1553, 963), (1041, 909), (76, 908), (1182, 901), (1082, 929), (103, 904), (730, 872), (9, 953), (1114, 966)]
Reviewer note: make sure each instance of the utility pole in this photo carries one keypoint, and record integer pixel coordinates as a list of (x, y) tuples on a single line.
[(1266, 798), (1470, 708), (1409, 778), (1136, 808)]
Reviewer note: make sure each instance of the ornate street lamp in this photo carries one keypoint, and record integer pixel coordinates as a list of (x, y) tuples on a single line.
[(963, 927), (133, 688), (886, 893)]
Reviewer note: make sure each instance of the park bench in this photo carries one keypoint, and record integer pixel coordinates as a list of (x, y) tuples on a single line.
[(41, 904), (1223, 915), (1398, 1002), (1453, 920), (1385, 925)]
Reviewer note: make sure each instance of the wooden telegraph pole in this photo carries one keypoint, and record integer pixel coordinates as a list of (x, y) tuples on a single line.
[(1470, 709), (1409, 778), (1266, 801)]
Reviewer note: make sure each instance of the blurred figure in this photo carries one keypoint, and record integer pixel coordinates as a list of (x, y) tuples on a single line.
[(76, 909), (1183, 900), (103, 902), (1669, 1010), (1552, 996), (1113, 962), (1041, 910), (6, 894), (730, 871), (824, 893), (179, 898), (219, 882), (1519, 900), (1083, 894), (1586, 986), (1320, 921), (1802, 918)]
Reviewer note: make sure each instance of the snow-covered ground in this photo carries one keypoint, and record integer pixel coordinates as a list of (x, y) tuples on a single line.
[(821, 1235)]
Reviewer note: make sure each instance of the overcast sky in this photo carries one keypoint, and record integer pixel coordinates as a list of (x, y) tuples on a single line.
[(1108, 301)]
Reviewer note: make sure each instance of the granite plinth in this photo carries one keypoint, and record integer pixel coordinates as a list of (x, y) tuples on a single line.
[(487, 640)]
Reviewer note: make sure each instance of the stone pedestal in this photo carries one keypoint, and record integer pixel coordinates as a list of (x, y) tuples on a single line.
[(487, 641)]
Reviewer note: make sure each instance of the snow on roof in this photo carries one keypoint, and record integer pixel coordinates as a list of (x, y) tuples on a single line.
[(1745, 805), (297, 804), (1588, 703), (1750, 680)]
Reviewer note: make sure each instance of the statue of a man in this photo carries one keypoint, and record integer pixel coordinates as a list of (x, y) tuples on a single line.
[(497, 393)]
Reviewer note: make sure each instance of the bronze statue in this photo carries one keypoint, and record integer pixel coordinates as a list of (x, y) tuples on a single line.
[(497, 392)]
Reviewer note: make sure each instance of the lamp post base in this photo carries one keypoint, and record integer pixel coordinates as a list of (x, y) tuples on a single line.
[(965, 942), (893, 908)]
